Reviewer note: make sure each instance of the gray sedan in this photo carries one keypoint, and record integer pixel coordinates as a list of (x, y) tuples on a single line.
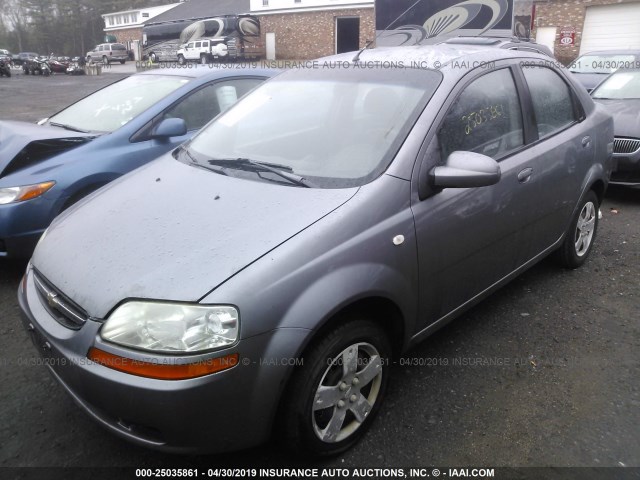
[(259, 279)]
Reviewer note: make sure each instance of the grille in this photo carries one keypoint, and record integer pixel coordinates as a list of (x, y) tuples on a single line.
[(626, 145), (66, 312)]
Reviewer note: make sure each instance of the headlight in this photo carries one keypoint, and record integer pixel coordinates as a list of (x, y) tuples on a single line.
[(172, 327), (27, 192)]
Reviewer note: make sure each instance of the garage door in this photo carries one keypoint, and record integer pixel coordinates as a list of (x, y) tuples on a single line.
[(610, 27)]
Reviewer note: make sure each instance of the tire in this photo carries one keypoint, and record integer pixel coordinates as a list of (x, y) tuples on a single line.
[(122, 62), (89, 59), (204, 59), (353, 395), (105, 60), (153, 57), (181, 60), (582, 231)]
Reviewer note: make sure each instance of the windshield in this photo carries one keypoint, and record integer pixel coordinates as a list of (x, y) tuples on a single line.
[(603, 63), (331, 128), (110, 108), (620, 85)]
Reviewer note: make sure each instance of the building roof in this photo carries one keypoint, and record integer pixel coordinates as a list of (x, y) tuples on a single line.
[(203, 9)]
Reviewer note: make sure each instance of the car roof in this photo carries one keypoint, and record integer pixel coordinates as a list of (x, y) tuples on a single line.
[(439, 55)]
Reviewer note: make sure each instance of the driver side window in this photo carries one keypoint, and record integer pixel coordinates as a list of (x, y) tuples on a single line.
[(486, 118)]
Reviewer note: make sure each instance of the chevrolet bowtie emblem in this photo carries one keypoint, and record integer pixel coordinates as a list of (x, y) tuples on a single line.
[(52, 299)]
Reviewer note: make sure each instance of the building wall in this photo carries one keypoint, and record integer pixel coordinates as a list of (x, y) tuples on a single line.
[(308, 35), (127, 34), (563, 13)]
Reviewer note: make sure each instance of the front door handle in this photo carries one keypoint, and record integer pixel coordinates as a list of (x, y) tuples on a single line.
[(525, 175), (586, 141)]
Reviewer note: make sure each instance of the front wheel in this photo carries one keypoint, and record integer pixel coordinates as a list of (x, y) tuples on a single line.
[(153, 57), (122, 62), (105, 60), (579, 238), (204, 59), (334, 396)]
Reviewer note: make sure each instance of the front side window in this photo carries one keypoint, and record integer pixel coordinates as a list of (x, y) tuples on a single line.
[(334, 128), (486, 118), (552, 99), (203, 105), (112, 107)]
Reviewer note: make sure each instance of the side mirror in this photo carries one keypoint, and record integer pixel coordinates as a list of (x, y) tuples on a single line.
[(466, 170), (170, 127)]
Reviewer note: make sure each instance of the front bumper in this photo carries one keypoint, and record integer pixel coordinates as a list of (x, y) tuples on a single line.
[(22, 225), (229, 410)]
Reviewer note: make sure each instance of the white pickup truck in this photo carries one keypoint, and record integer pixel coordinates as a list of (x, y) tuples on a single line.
[(203, 51)]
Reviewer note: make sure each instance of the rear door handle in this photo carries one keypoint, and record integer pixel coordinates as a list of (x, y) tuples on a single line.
[(586, 141), (525, 175)]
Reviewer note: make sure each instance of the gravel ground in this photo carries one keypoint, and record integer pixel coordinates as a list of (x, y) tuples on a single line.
[(543, 373)]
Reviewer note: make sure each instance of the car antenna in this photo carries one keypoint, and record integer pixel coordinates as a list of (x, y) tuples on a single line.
[(357, 57)]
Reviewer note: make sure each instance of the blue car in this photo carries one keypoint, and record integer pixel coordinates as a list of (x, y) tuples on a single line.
[(46, 168)]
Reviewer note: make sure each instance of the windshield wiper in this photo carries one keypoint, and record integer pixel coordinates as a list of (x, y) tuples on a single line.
[(68, 127), (283, 171), (193, 161)]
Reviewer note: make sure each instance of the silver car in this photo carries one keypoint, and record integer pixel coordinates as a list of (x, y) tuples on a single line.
[(258, 279), (107, 53)]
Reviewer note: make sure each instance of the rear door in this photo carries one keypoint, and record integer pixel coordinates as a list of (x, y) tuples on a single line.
[(561, 153)]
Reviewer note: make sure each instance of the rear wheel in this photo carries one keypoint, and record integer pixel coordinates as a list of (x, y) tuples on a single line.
[(122, 62), (153, 57), (333, 398), (181, 60), (579, 238), (105, 60)]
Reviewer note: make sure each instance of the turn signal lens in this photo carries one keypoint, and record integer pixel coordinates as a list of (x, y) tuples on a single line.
[(162, 371), (27, 192)]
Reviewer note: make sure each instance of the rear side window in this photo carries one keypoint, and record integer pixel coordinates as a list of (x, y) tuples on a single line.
[(486, 118), (552, 100), (118, 46)]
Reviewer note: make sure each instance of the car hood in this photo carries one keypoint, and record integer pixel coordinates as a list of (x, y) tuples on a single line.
[(626, 116), (590, 80), (171, 231), (24, 144)]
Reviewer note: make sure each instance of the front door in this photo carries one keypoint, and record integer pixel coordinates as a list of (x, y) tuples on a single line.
[(468, 238)]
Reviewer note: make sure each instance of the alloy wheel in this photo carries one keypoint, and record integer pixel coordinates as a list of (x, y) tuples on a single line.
[(347, 392), (585, 228)]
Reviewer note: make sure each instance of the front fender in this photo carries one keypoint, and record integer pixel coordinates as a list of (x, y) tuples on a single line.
[(340, 288)]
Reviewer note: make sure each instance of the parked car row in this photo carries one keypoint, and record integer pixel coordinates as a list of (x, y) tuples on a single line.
[(322, 215)]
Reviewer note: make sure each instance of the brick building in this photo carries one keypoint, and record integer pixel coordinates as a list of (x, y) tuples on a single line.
[(296, 29), (572, 27), (126, 26)]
